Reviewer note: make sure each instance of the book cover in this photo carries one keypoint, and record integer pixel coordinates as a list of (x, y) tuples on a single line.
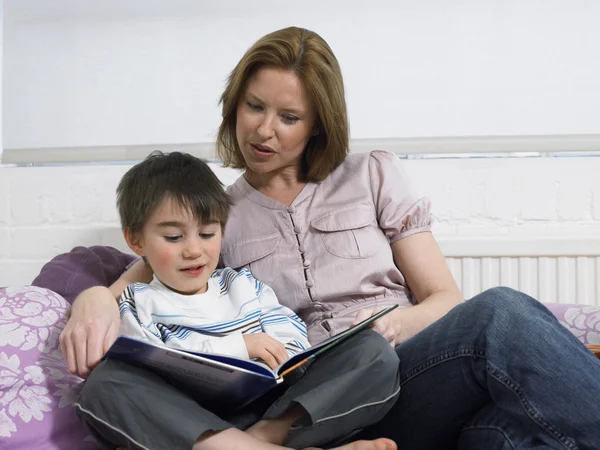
[(217, 379)]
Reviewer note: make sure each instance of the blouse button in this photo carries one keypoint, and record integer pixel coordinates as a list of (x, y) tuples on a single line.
[(302, 248), (296, 229), (306, 263), (310, 283), (291, 210)]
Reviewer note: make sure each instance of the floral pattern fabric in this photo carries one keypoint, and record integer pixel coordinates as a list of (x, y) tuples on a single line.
[(582, 320), (37, 392)]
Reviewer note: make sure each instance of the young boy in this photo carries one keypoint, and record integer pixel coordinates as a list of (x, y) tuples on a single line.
[(173, 212), (175, 222)]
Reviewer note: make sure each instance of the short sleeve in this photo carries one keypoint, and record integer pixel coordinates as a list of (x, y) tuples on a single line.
[(400, 211)]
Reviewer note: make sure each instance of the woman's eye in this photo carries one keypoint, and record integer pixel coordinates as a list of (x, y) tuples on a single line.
[(289, 119), (207, 235), (172, 238), (254, 106)]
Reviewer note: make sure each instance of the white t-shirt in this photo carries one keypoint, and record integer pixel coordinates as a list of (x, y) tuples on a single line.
[(234, 304)]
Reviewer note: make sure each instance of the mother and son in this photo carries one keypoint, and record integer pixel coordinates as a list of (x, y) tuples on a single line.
[(309, 241)]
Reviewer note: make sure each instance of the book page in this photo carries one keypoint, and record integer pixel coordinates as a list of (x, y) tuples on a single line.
[(332, 341)]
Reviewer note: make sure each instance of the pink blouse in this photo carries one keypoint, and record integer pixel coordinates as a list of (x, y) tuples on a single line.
[(328, 255)]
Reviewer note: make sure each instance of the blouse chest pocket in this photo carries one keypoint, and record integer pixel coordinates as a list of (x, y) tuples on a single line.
[(258, 256), (350, 232)]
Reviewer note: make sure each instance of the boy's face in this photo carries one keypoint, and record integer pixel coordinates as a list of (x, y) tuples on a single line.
[(182, 251)]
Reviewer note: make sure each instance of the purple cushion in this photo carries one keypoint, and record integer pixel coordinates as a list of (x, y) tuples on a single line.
[(582, 320), (83, 267), (37, 391)]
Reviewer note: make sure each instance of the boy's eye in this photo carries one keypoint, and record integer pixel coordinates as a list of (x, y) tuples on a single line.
[(206, 235), (172, 238)]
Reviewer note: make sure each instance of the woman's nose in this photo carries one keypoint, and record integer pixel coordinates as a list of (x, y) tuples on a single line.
[(265, 129)]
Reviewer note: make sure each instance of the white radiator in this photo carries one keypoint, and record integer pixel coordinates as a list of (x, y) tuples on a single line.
[(551, 270)]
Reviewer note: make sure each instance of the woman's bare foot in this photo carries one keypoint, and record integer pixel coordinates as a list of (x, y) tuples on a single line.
[(377, 444)]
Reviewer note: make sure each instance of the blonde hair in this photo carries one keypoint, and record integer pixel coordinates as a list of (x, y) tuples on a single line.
[(308, 55)]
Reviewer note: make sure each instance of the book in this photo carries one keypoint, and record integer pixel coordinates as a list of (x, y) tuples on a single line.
[(222, 380)]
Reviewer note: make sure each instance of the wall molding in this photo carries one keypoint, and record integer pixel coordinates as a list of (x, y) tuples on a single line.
[(519, 246), (548, 145)]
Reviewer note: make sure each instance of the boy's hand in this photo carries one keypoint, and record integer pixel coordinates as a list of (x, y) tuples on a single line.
[(263, 346)]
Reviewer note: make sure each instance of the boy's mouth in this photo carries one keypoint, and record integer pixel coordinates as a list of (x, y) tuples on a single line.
[(193, 271)]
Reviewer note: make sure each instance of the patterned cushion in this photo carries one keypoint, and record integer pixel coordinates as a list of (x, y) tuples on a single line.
[(36, 390), (582, 320)]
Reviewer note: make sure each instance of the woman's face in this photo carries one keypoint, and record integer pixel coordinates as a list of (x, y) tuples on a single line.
[(275, 120)]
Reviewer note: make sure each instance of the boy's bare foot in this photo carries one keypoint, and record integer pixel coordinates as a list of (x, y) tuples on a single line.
[(276, 430), (234, 439), (377, 444)]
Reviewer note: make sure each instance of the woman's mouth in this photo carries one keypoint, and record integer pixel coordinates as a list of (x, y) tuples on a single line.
[(262, 151)]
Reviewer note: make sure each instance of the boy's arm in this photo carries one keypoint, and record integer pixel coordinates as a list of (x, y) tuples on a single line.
[(281, 322), (130, 324), (230, 345), (136, 308)]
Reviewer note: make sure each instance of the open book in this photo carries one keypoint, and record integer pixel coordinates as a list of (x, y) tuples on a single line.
[(219, 379)]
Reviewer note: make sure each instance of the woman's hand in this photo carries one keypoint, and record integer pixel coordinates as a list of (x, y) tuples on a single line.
[(386, 326), (263, 346), (421, 262), (90, 331)]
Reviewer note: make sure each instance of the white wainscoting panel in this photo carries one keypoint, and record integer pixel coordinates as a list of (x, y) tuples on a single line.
[(549, 269)]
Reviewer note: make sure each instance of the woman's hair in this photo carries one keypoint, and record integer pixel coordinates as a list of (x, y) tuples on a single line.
[(178, 176), (306, 54)]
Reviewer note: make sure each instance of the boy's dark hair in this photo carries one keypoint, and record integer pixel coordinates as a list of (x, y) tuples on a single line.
[(179, 176)]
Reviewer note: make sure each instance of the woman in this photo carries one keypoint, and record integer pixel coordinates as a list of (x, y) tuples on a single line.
[(339, 237)]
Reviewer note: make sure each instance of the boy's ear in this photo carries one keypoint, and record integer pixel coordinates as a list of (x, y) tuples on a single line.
[(134, 241)]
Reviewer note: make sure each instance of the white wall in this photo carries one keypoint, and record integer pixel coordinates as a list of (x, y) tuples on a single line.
[(102, 73), (48, 210), (149, 71)]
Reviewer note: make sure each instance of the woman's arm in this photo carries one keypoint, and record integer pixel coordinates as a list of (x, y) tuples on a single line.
[(91, 329), (424, 268), (426, 272), (94, 322), (139, 272)]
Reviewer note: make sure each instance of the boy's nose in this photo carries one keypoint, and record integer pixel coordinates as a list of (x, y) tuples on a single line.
[(192, 250)]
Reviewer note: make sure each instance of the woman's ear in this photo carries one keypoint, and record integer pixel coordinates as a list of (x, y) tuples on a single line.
[(134, 241), (316, 129)]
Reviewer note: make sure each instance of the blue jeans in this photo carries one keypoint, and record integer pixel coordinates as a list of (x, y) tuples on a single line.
[(498, 372)]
